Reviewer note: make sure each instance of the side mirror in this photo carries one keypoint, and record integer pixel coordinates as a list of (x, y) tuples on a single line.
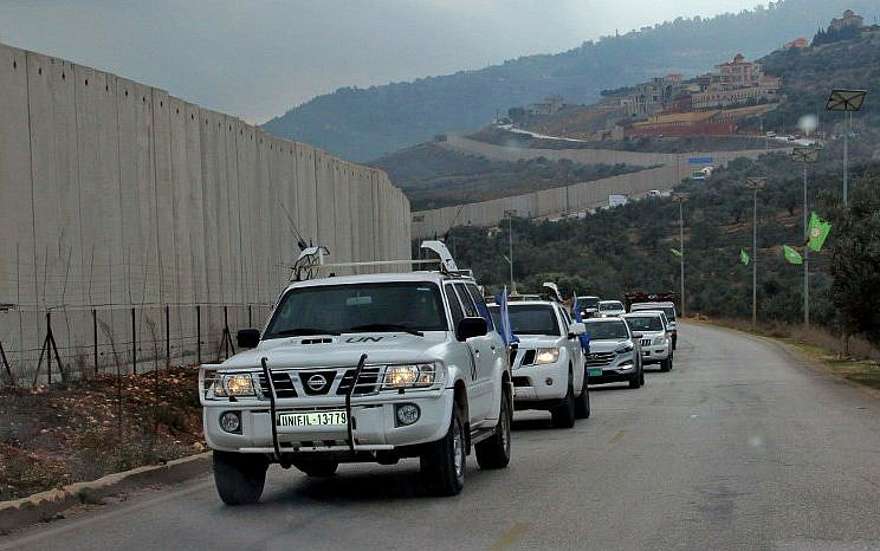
[(248, 338), (577, 329), (469, 328), (637, 335)]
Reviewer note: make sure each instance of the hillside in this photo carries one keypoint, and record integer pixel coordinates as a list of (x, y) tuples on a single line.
[(628, 247), (432, 176), (364, 124)]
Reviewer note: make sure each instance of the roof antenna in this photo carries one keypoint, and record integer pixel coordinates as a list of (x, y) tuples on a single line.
[(300, 242)]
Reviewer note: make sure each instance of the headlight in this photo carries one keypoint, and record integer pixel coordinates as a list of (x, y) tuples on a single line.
[(410, 376), (547, 356), (659, 340), (623, 349), (236, 384)]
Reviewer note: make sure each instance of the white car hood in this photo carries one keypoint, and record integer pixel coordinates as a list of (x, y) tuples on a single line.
[(606, 345), (344, 350), (538, 341)]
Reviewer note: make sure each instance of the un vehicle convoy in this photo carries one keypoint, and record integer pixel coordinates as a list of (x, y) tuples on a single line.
[(363, 368)]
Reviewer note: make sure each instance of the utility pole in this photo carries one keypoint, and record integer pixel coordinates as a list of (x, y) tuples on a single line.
[(509, 214), (806, 155), (755, 184), (847, 101), (681, 198)]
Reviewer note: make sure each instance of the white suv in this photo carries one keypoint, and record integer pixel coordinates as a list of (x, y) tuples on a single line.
[(362, 368), (548, 364), (611, 309), (667, 308), (655, 341)]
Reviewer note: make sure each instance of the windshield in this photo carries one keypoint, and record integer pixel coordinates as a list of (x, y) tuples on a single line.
[(645, 323), (335, 309), (607, 330), (533, 319), (588, 302), (605, 306)]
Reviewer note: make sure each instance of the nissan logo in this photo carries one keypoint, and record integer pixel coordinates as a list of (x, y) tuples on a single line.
[(316, 382)]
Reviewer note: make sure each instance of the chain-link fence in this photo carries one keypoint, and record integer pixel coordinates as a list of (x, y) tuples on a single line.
[(67, 344)]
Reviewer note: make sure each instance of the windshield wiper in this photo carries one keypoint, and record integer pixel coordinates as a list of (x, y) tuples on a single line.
[(304, 331), (386, 327)]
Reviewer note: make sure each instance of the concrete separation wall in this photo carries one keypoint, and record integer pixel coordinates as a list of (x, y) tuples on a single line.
[(115, 195), (669, 170)]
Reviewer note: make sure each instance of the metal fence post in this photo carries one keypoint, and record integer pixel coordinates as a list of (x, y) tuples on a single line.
[(133, 343), (250, 317), (198, 333), (226, 330), (49, 351), (167, 336), (95, 337)]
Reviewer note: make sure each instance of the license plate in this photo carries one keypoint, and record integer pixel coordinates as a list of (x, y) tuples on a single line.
[(595, 372), (313, 419)]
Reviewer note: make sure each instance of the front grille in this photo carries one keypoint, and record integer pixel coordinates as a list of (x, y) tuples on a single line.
[(283, 385), (528, 357), (646, 342), (368, 382), (599, 359)]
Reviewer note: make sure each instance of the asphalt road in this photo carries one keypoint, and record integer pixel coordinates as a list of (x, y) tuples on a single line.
[(739, 447)]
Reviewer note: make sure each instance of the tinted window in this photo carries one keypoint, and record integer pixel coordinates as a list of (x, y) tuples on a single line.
[(481, 304), (610, 306), (454, 306), (532, 319), (470, 309), (588, 302), (344, 308), (645, 323), (615, 330)]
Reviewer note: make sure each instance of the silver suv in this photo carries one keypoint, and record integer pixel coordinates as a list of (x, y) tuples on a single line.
[(614, 353), (362, 368)]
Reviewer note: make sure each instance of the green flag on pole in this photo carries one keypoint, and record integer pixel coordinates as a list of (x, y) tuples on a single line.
[(818, 232), (744, 257), (676, 252), (791, 255)]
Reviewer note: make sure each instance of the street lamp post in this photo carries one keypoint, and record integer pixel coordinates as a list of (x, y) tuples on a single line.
[(681, 198), (847, 101), (755, 184), (807, 156)]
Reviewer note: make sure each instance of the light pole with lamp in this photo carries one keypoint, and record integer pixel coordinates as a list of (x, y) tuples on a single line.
[(807, 156), (681, 198), (509, 214), (847, 101)]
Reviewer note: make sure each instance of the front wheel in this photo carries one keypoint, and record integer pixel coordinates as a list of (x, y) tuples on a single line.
[(563, 414), (443, 462), (494, 452), (666, 364), (239, 477), (582, 405)]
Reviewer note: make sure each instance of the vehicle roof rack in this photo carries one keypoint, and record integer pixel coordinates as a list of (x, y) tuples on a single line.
[(312, 259)]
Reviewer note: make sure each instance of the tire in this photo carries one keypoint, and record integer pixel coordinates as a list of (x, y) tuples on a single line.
[(563, 414), (666, 364), (317, 469), (642, 374), (636, 380), (674, 342), (494, 452), (442, 464), (239, 477), (582, 405)]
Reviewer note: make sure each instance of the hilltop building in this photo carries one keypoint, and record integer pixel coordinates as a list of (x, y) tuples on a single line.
[(849, 20), (737, 82), (549, 106)]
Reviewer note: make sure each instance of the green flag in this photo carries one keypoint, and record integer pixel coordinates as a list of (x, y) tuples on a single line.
[(676, 252), (791, 255), (818, 232), (744, 257)]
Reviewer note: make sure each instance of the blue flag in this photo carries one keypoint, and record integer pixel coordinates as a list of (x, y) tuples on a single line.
[(576, 314), (506, 330)]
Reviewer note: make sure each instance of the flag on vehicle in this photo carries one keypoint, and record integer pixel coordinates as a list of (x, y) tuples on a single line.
[(504, 314), (744, 257), (818, 232), (578, 318), (676, 252), (791, 255)]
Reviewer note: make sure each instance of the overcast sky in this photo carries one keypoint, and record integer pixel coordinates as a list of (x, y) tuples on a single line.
[(256, 59)]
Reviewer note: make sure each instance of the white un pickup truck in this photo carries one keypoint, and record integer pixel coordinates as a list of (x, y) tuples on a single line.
[(371, 368)]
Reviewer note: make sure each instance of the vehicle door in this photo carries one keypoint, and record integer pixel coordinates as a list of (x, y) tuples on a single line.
[(500, 360), (484, 351), (573, 345)]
